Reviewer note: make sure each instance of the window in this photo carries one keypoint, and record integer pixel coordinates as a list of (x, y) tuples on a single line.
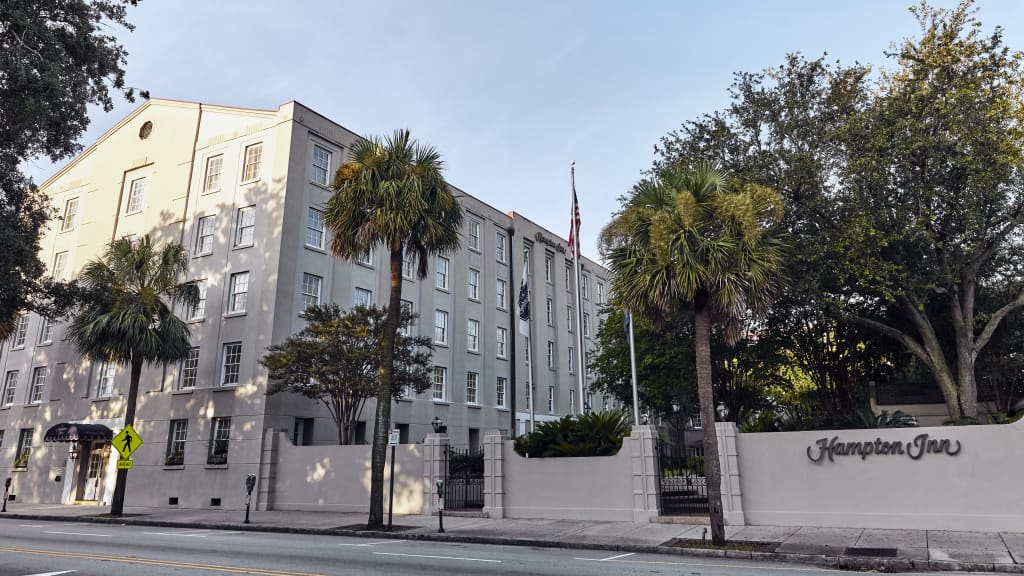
[(199, 310), (440, 327), (136, 196), (471, 381), (46, 331), (35, 395), (586, 324), (551, 399), (572, 401), (407, 264), (231, 363), (499, 390), (572, 359), (315, 228), (568, 277), (10, 387), (568, 317), (189, 369), (176, 437), (60, 265), (239, 292), (442, 273), (501, 341), (24, 448), (406, 329), (105, 384), (19, 333), (440, 378), (1, 438), (473, 335), (70, 215), (311, 285), (474, 234), (363, 297), (220, 435), (204, 235), (500, 293), (474, 284), (214, 167), (585, 286), (253, 158), (321, 165), (245, 226), (551, 355), (499, 247), (550, 311), (547, 268), (589, 405), (366, 258), (600, 293)]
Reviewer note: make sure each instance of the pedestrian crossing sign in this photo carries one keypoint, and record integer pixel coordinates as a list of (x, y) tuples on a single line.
[(127, 442), (124, 464)]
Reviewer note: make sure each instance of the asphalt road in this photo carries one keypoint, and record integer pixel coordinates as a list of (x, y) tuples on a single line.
[(81, 549)]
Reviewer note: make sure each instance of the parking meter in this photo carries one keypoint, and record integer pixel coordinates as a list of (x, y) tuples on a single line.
[(7, 490), (440, 505), (250, 483)]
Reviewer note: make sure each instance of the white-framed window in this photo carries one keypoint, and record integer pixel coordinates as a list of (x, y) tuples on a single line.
[(366, 258), (60, 266), (204, 235), (474, 234), (442, 273), (500, 290), (220, 437), (572, 358), (551, 355), (231, 363), (35, 394), (600, 293), (572, 400), (315, 228), (568, 277), (586, 324), (105, 383), (440, 327), (176, 437), (363, 297), (473, 335), (239, 292), (501, 342), (474, 284), (214, 168), (589, 405), (253, 160), (500, 385), (198, 312), (440, 382), (70, 215), (550, 311), (321, 165), (585, 286), (245, 226), (19, 333), (136, 196), (547, 268), (46, 330), (499, 246), (407, 264), (407, 329), (10, 387), (311, 286), (568, 317), (189, 370), (551, 399), (471, 383), (24, 448)]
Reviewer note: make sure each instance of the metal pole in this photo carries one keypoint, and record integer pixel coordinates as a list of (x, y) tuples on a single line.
[(391, 494), (7, 489), (632, 364), (579, 299), (248, 497)]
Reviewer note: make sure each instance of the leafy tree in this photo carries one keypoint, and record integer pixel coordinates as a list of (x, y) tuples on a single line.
[(129, 318), (391, 194), (55, 61), (336, 360), (689, 237)]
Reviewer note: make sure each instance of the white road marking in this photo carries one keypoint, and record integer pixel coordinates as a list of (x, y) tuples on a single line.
[(701, 565), (437, 557), (77, 533), (53, 573), (199, 534), (616, 557), (371, 544), (32, 526)]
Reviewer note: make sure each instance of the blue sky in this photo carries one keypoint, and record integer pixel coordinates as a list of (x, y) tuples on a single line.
[(510, 93)]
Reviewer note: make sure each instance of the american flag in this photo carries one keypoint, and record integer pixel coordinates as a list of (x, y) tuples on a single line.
[(574, 225), (524, 304)]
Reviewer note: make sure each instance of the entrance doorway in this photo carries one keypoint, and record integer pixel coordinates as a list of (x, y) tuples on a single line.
[(92, 472)]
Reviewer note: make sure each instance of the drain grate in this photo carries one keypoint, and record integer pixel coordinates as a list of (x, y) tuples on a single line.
[(872, 552)]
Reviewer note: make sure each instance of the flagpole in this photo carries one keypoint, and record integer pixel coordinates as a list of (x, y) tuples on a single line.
[(632, 365), (524, 286), (579, 301)]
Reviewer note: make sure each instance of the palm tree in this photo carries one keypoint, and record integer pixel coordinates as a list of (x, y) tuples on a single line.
[(391, 193), (129, 318), (691, 238)]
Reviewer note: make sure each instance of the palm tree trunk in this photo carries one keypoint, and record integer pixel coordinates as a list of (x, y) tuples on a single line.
[(382, 422), (120, 484), (705, 392)]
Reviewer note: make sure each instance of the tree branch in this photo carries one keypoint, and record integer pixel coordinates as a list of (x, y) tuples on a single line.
[(908, 341), (993, 323)]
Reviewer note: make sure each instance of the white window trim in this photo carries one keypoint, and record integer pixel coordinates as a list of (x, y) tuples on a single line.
[(220, 174), (444, 329), (259, 165), (224, 364)]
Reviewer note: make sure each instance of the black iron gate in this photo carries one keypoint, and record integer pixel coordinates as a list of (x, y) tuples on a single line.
[(464, 479), (683, 488)]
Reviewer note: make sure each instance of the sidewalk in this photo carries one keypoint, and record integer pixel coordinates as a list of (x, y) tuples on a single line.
[(854, 548)]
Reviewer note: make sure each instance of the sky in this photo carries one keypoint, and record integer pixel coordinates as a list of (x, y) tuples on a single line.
[(510, 93)]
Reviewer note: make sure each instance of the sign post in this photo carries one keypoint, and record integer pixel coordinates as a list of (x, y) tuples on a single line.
[(393, 438), (126, 443)]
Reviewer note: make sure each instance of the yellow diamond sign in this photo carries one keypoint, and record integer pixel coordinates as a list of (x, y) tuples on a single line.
[(127, 442)]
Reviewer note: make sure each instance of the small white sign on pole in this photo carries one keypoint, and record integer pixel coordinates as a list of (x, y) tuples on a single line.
[(393, 437)]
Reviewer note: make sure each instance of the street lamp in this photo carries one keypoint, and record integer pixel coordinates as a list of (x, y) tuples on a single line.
[(438, 425), (723, 411)]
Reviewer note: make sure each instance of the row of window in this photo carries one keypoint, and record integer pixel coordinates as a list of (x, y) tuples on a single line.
[(439, 390), (245, 231), (24, 447), (217, 453), (37, 385), (251, 165)]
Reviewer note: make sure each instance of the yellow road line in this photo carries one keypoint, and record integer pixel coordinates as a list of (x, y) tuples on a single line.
[(153, 562)]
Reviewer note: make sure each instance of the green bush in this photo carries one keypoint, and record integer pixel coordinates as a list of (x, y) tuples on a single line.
[(594, 434)]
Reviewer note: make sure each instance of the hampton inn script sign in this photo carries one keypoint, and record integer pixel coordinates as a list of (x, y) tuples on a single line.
[(922, 444)]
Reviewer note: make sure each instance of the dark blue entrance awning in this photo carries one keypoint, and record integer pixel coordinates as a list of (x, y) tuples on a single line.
[(65, 432)]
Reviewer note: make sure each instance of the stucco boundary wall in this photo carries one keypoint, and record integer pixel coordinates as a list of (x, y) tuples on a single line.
[(937, 478)]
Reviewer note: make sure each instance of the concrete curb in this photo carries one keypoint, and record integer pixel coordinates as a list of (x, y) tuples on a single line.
[(824, 560)]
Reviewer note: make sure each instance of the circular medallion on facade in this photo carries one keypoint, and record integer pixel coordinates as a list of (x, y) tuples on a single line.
[(146, 130)]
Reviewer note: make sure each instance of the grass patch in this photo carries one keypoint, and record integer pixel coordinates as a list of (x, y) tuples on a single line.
[(364, 528), (735, 545)]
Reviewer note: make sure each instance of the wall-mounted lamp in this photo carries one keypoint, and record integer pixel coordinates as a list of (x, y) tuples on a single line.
[(438, 425), (73, 451)]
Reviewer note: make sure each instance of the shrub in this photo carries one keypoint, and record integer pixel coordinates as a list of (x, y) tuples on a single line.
[(594, 434)]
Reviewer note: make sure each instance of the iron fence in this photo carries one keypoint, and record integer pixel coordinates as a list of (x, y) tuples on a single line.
[(464, 479)]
